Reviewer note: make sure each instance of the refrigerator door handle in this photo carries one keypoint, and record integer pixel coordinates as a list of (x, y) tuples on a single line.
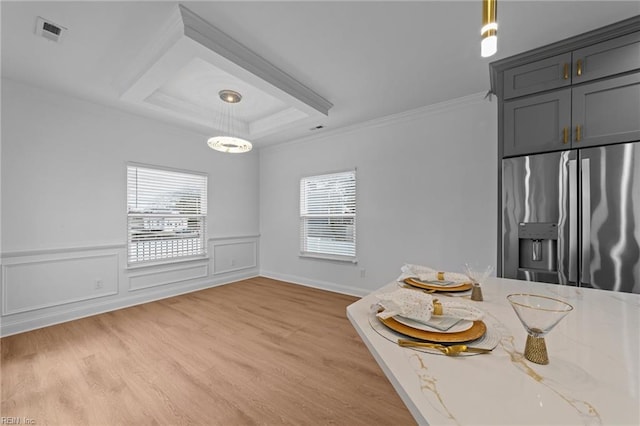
[(585, 174), (573, 221)]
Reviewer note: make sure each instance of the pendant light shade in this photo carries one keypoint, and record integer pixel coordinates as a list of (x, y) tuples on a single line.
[(227, 142), (489, 31)]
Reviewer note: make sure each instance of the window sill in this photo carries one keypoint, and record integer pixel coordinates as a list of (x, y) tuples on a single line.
[(332, 257), (170, 262)]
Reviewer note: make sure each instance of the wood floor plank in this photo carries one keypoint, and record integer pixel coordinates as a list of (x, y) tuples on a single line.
[(257, 351)]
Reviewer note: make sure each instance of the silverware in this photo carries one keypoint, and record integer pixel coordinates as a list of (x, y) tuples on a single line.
[(447, 350)]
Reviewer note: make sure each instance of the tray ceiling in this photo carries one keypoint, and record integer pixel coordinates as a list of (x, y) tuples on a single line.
[(190, 61)]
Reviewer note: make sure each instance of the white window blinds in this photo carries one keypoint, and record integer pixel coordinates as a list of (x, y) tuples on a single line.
[(166, 214), (328, 216)]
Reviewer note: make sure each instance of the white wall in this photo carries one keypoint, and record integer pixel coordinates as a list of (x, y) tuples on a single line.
[(426, 194), (64, 213)]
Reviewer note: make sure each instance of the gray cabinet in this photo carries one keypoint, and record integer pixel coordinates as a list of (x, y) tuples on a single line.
[(537, 123), (597, 113), (583, 91), (606, 111), (538, 76), (600, 60), (608, 58)]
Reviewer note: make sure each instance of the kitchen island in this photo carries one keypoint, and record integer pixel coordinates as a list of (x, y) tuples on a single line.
[(593, 376)]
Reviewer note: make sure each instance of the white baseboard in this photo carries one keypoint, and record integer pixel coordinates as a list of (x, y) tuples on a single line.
[(322, 285)]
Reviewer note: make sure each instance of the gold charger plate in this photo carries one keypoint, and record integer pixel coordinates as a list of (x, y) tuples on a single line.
[(427, 286), (477, 330)]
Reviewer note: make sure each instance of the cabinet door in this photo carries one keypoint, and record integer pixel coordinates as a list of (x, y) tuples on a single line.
[(550, 73), (607, 111), (607, 58), (537, 123)]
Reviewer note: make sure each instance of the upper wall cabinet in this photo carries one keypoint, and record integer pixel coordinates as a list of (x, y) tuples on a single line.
[(547, 74), (606, 111), (579, 92), (598, 113), (607, 58), (600, 60), (538, 123)]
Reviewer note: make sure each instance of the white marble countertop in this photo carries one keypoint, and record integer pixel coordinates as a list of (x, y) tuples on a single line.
[(593, 376)]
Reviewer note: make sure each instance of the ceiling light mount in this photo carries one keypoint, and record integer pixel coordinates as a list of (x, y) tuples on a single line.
[(489, 31), (230, 96)]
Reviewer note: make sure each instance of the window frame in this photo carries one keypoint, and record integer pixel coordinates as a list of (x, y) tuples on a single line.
[(202, 252), (304, 251)]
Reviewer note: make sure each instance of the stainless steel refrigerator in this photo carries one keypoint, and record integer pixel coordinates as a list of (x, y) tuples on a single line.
[(573, 217)]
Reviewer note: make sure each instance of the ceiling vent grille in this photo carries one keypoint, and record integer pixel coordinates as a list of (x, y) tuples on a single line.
[(49, 30)]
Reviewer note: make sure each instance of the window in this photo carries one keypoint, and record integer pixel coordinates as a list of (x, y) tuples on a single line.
[(328, 216), (166, 214)]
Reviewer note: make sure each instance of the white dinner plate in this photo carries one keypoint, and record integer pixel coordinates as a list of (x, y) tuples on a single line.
[(461, 325)]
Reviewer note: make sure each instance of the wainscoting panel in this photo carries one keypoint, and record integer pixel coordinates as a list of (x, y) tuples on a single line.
[(167, 275), (43, 287), (34, 283), (234, 255)]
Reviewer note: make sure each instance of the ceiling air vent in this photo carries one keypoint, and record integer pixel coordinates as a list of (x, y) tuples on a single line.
[(49, 30)]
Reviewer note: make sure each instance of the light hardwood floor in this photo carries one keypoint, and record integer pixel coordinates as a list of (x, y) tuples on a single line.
[(257, 351)]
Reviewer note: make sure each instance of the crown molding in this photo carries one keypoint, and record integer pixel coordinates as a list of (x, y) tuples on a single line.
[(388, 120), (278, 121)]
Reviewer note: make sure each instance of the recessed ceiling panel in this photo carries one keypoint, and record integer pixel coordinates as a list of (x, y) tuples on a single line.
[(199, 82)]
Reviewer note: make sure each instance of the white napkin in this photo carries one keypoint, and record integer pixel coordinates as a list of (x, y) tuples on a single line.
[(419, 306), (427, 274)]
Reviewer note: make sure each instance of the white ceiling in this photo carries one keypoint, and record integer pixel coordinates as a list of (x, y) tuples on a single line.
[(369, 59)]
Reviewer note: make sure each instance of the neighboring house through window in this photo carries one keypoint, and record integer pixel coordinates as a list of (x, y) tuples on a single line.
[(328, 216), (166, 214)]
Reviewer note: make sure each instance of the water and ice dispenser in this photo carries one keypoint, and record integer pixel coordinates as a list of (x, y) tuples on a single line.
[(538, 246)]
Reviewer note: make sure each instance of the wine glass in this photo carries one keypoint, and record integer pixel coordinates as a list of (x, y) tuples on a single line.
[(539, 315), (477, 275)]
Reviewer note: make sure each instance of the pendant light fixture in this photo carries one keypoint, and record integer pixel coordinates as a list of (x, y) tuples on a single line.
[(229, 143), (489, 31)]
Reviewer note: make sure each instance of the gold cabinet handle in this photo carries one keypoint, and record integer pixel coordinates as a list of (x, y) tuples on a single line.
[(578, 133), (565, 72), (565, 135), (579, 67)]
